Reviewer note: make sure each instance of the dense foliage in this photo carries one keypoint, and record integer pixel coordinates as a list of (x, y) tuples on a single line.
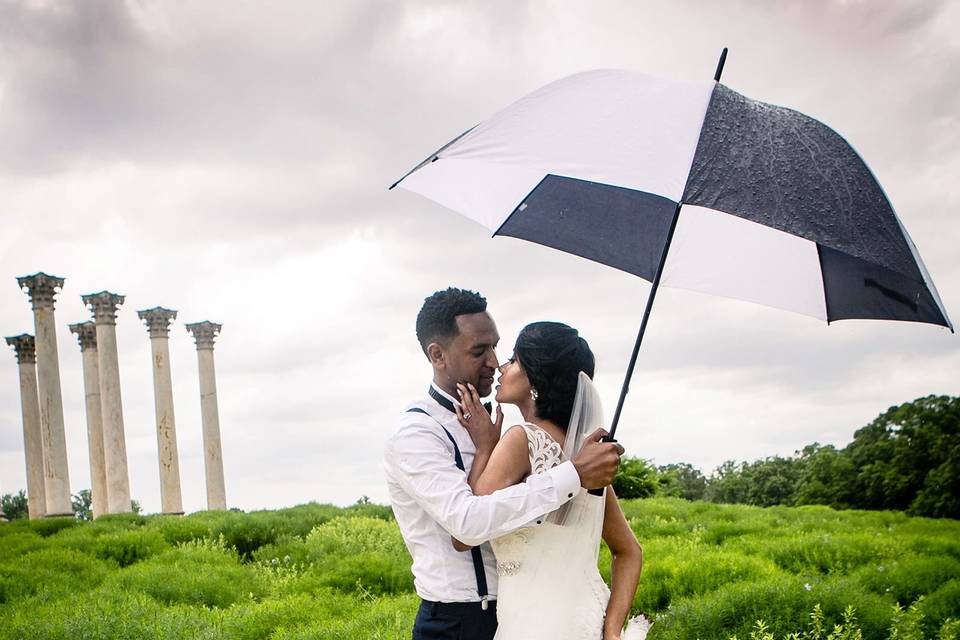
[(14, 505), (322, 572), (907, 459)]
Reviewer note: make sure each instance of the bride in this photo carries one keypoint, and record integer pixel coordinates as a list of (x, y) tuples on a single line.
[(549, 585)]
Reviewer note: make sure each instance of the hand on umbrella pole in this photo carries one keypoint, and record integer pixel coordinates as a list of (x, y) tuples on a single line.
[(606, 438), (597, 462)]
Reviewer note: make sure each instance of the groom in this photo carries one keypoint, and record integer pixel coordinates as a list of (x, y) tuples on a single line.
[(427, 460)]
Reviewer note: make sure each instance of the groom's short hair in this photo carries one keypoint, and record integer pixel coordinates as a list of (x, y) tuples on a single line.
[(438, 315)]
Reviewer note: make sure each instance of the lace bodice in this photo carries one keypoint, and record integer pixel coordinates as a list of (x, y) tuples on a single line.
[(545, 453)]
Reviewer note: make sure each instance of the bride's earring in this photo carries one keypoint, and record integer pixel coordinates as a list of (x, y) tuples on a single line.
[(534, 394)]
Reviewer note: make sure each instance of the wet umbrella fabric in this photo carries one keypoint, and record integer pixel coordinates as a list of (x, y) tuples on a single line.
[(756, 202)]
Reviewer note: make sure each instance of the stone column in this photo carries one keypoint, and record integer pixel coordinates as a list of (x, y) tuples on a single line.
[(42, 288), (87, 336), (104, 307), (204, 334), (30, 409), (158, 323)]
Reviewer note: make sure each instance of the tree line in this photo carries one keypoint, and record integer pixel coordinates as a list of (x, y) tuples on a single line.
[(907, 459)]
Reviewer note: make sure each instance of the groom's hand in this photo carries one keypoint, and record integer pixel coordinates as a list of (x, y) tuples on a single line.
[(597, 462)]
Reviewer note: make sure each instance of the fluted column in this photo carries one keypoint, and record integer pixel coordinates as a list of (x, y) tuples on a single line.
[(158, 322), (86, 333), (42, 288), (104, 307), (204, 334), (25, 347)]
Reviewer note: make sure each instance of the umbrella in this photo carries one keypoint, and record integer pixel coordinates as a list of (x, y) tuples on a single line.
[(749, 200)]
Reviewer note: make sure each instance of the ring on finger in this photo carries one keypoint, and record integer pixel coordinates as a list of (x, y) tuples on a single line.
[(466, 416)]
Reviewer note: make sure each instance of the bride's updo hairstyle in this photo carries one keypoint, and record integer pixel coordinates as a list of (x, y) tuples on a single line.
[(552, 355)]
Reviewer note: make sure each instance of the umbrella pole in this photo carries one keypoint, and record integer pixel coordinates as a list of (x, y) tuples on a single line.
[(643, 324)]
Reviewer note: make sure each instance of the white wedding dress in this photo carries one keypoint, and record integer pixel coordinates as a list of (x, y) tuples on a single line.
[(549, 584)]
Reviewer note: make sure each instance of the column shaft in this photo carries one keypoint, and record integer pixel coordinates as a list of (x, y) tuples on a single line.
[(213, 455), (98, 466), (32, 441), (114, 441), (56, 473), (170, 495)]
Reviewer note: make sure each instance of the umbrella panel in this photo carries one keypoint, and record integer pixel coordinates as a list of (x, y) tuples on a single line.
[(623, 228)]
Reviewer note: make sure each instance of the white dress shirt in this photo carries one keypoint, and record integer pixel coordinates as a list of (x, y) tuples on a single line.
[(432, 501)]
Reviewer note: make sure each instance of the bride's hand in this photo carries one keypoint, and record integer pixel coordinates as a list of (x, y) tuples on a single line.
[(471, 413)]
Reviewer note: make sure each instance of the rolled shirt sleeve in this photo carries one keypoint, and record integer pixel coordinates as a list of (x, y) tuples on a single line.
[(420, 459)]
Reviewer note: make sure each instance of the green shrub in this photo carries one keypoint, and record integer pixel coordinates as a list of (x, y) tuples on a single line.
[(781, 602), (50, 573), (18, 543), (180, 529), (205, 574), (105, 615), (344, 536), (255, 620), (941, 605), (360, 554), (695, 575), (384, 618), (830, 553), (286, 551), (128, 547), (49, 526), (909, 577)]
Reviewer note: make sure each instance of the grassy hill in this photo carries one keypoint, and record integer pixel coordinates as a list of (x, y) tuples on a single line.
[(322, 572)]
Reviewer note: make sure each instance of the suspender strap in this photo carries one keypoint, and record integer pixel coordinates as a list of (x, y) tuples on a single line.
[(474, 551)]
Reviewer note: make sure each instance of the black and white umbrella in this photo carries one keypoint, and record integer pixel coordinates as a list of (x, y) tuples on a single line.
[(691, 184)]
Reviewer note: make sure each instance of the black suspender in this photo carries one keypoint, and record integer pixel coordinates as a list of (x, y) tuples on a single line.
[(474, 551)]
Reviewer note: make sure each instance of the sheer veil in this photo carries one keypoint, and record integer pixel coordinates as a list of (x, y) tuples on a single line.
[(586, 416)]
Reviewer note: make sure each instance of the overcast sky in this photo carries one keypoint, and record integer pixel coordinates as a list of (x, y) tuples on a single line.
[(231, 161)]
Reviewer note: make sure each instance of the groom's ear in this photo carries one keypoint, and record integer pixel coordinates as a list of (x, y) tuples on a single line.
[(435, 354)]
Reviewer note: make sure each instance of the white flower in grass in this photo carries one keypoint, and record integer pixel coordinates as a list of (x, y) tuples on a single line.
[(807, 586)]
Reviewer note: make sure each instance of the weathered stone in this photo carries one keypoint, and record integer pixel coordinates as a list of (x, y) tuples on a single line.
[(42, 289), (104, 306), (204, 334), (158, 321), (32, 438)]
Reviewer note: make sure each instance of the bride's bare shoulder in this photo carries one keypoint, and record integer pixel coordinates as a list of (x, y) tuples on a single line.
[(513, 442)]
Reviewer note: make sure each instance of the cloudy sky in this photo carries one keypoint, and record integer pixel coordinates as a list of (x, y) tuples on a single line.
[(231, 162)]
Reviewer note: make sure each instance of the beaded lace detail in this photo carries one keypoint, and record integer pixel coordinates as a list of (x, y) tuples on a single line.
[(545, 453)]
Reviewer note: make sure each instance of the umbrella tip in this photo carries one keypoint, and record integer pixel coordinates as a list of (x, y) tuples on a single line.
[(723, 59)]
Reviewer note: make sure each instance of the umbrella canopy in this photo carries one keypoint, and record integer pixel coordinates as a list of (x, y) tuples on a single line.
[(777, 208)]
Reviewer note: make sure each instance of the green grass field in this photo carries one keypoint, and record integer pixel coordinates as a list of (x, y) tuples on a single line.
[(317, 571)]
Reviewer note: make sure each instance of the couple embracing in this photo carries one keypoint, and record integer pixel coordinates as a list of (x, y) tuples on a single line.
[(504, 530)]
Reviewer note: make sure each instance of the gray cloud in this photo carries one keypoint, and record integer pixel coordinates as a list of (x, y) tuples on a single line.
[(233, 165)]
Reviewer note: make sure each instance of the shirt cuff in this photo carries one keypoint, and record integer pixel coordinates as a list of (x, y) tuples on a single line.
[(566, 479)]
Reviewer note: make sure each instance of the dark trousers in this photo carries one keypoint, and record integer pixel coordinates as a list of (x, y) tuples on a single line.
[(455, 621)]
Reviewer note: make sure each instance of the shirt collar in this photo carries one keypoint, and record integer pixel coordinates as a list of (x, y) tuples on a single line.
[(443, 398)]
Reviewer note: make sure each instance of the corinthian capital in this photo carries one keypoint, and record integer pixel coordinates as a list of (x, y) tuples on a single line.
[(41, 288), (104, 306), (25, 346), (158, 321), (204, 333), (86, 335)]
